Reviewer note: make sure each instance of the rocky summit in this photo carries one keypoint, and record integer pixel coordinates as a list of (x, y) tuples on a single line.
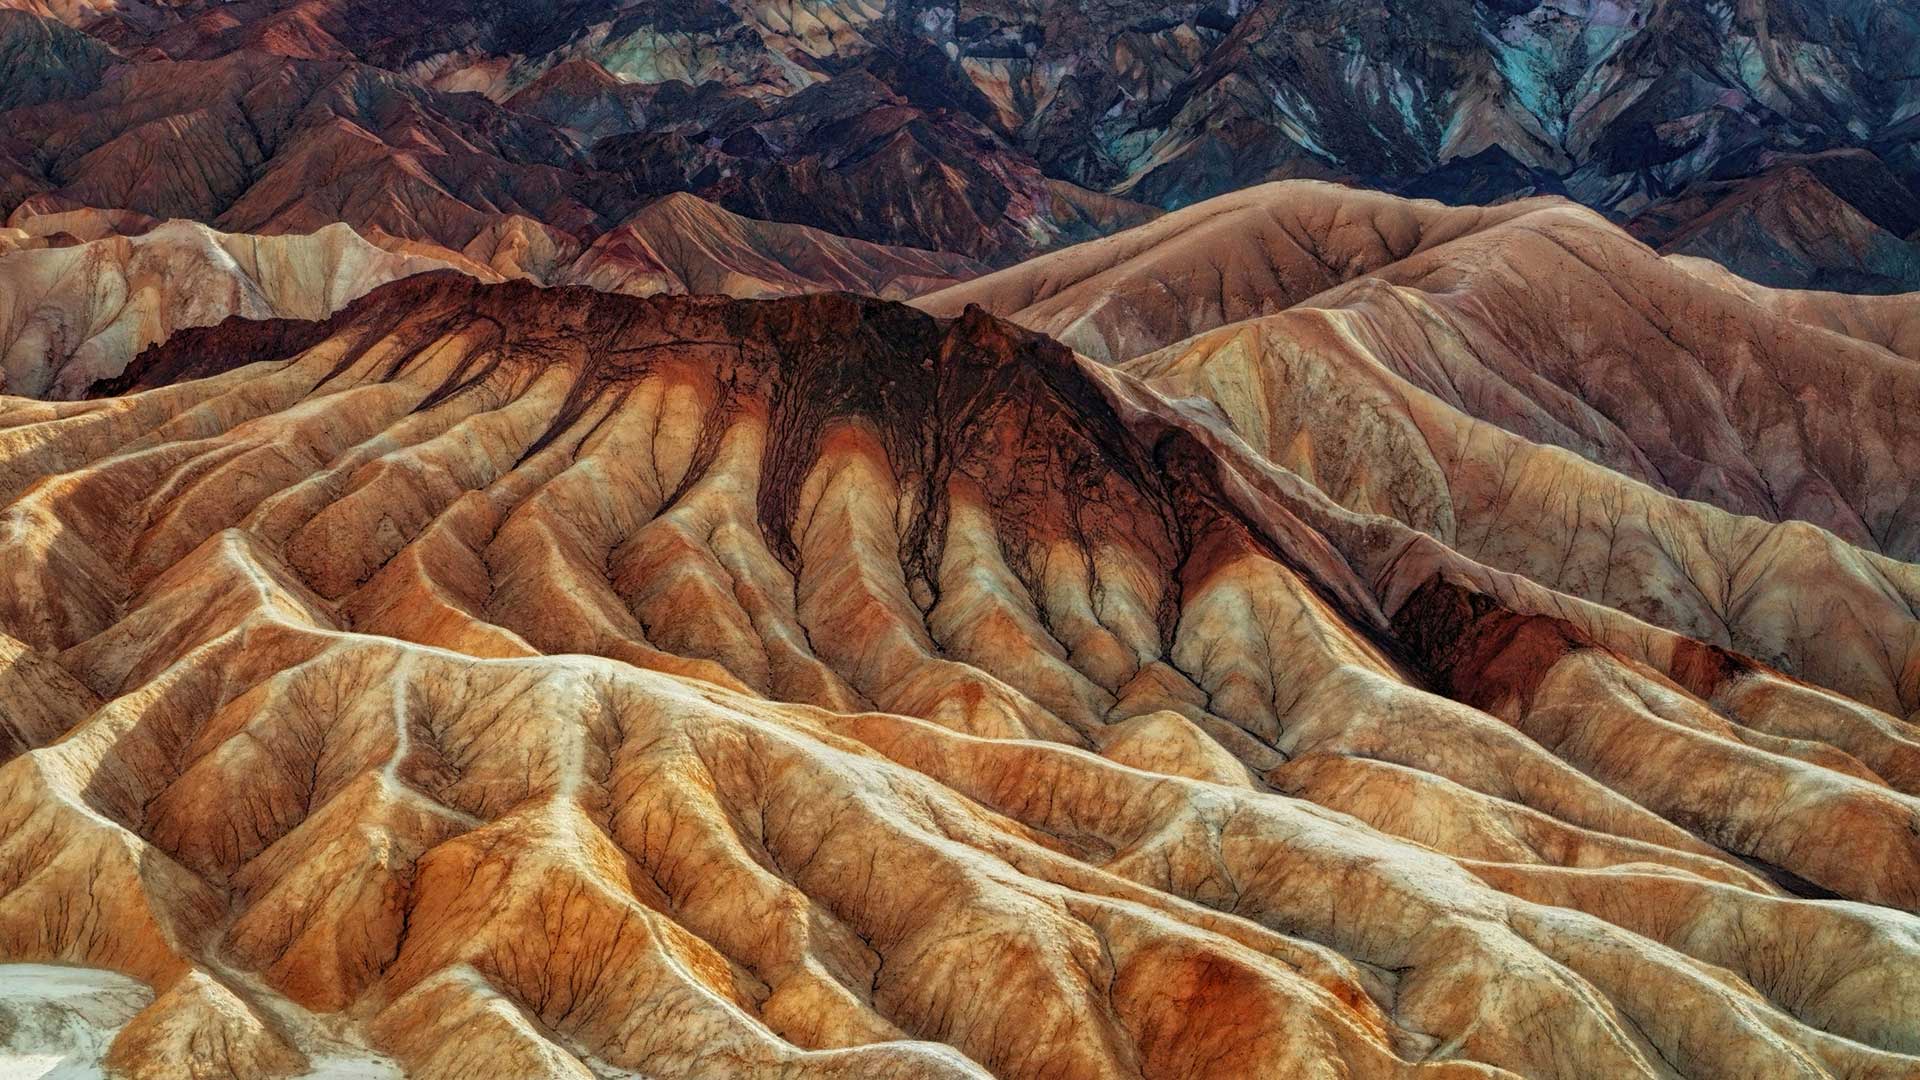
[(595, 540)]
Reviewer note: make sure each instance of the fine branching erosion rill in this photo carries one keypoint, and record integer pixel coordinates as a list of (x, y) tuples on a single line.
[(602, 539)]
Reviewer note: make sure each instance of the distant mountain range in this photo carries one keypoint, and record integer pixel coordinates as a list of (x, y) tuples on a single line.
[(990, 131)]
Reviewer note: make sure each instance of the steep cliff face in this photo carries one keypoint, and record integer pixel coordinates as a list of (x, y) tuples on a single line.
[(544, 681)]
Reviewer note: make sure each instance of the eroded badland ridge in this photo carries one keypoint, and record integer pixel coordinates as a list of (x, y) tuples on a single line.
[(695, 686)]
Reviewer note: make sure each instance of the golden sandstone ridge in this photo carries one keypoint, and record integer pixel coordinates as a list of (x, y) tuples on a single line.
[(541, 682)]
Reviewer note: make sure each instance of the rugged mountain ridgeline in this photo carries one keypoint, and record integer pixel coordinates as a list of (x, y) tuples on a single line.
[(255, 141), (987, 130), (492, 678), (73, 312)]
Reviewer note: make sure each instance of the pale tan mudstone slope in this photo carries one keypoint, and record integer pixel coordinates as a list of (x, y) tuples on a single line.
[(524, 683), (1249, 253), (71, 315), (1538, 318)]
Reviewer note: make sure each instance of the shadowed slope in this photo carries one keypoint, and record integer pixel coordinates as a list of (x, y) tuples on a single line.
[(817, 688), (42, 60), (1620, 103), (1790, 228), (257, 143), (294, 138)]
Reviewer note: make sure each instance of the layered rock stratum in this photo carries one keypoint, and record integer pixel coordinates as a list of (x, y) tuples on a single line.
[(509, 681)]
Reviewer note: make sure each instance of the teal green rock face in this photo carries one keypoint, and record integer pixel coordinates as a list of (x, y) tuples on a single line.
[(42, 60)]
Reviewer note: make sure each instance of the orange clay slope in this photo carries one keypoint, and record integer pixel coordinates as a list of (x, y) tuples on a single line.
[(530, 683)]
